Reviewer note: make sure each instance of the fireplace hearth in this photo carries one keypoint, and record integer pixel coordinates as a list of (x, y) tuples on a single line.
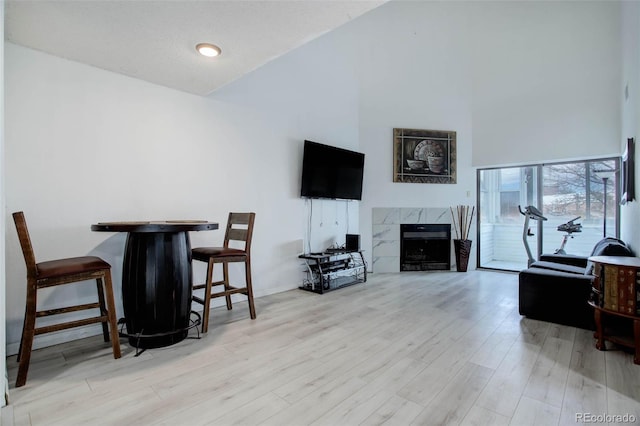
[(425, 247)]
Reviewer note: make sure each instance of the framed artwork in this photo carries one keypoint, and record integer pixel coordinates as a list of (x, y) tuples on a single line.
[(628, 173), (424, 156)]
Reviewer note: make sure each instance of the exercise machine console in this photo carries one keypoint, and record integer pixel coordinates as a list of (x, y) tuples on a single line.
[(568, 228)]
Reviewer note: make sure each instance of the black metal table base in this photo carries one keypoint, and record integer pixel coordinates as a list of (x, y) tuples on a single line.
[(142, 341)]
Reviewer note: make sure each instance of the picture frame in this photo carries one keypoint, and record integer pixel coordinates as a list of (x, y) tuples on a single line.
[(628, 172), (424, 156)]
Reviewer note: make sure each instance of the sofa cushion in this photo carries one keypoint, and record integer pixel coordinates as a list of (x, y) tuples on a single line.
[(554, 266), (567, 259)]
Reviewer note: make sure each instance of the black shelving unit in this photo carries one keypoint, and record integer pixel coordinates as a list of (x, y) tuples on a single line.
[(333, 270)]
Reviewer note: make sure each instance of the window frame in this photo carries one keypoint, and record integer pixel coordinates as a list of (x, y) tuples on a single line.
[(539, 194)]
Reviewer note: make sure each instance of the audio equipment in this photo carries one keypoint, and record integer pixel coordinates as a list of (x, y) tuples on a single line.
[(352, 242)]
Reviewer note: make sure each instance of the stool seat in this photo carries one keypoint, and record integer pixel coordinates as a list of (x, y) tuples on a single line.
[(204, 253), (70, 266)]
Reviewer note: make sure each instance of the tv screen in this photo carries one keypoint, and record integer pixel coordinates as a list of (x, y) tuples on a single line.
[(331, 172)]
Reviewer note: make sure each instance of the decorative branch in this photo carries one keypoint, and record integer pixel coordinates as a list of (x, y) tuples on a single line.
[(455, 227), (462, 220)]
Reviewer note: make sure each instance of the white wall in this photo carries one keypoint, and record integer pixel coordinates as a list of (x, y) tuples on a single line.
[(546, 78), (316, 88), (630, 15), (518, 81), (85, 145), (3, 300)]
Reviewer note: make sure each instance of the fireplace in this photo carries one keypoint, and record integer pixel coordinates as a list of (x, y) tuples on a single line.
[(425, 247)]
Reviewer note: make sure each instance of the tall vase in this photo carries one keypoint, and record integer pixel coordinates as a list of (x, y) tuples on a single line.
[(462, 249)]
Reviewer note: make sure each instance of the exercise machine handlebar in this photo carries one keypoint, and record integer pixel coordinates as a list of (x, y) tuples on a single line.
[(532, 213)]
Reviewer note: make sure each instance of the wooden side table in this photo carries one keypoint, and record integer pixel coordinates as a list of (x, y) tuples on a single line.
[(616, 294)]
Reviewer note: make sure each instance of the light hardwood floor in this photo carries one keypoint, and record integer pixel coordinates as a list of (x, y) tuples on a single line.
[(408, 348)]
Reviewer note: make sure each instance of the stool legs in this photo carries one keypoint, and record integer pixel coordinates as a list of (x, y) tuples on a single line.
[(111, 315), (28, 332), (247, 271), (228, 290), (225, 281), (103, 309), (107, 307), (207, 297)]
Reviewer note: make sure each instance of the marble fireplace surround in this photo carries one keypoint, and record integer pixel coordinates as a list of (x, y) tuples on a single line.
[(385, 234)]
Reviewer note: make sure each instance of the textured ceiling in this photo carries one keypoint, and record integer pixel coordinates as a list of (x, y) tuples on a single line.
[(155, 40)]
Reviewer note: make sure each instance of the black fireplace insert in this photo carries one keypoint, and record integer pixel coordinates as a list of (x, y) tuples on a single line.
[(425, 247)]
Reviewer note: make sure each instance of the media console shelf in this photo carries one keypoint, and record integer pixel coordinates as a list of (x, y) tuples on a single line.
[(333, 270)]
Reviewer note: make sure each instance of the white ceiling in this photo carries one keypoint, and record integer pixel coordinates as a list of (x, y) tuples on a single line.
[(155, 40)]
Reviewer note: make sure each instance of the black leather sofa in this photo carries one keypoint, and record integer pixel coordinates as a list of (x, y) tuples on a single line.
[(557, 287)]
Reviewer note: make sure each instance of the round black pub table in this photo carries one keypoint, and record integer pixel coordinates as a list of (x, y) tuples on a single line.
[(156, 279)]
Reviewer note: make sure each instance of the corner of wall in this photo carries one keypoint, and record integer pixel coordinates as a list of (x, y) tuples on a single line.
[(3, 351), (630, 104)]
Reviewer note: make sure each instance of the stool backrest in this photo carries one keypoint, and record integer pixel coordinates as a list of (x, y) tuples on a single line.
[(240, 228), (25, 244)]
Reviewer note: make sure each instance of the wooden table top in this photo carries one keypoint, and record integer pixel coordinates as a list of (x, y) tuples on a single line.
[(155, 226), (617, 260)]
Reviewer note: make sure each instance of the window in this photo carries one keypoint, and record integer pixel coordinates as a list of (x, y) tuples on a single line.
[(509, 192), (587, 190)]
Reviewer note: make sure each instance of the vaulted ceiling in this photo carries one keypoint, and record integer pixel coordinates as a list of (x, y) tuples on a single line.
[(154, 40)]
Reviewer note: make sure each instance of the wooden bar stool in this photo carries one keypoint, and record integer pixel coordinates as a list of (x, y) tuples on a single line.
[(57, 272), (239, 228)]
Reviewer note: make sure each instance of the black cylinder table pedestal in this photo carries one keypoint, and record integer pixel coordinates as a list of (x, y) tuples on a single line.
[(156, 288), (156, 280)]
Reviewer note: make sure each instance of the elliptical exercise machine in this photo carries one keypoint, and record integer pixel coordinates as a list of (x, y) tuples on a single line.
[(530, 212), (568, 228)]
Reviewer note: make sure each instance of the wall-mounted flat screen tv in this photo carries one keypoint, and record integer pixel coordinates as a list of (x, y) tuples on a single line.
[(331, 172)]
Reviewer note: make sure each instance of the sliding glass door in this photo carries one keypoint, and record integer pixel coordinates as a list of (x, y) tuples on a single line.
[(577, 190), (501, 192), (585, 192)]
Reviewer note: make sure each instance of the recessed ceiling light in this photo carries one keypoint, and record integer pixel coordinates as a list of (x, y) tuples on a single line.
[(208, 49)]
